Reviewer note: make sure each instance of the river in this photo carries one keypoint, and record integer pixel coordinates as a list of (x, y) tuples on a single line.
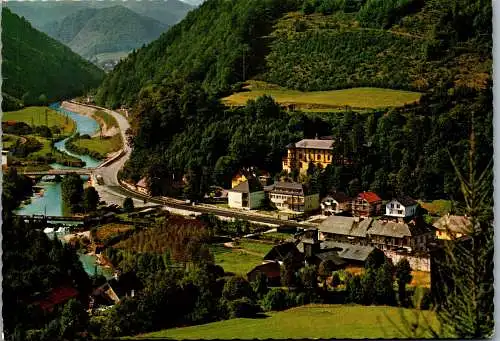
[(84, 125), (50, 203)]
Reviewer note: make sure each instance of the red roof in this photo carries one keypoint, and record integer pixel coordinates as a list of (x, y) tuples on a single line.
[(58, 296), (370, 197)]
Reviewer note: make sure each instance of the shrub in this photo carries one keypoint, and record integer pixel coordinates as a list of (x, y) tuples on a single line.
[(242, 307), (128, 204), (236, 288), (276, 299)]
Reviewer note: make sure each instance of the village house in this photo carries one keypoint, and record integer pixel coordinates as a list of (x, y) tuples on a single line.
[(412, 236), (270, 269), (292, 196), (248, 194), (451, 227), (366, 204), (341, 254), (345, 229), (401, 207), (142, 187), (336, 203), (354, 255), (278, 253), (300, 154)]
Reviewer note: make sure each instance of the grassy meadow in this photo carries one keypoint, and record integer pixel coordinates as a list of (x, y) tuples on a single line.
[(102, 146), (35, 116), (361, 98), (311, 321), (242, 259)]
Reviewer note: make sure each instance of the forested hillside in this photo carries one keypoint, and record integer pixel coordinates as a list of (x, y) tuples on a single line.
[(207, 46), (441, 48), (323, 45), (92, 31), (35, 267), (37, 69)]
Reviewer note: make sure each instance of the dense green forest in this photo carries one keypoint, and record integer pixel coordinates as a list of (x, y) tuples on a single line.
[(92, 31), (34, 265), (207, 46), (180, 129), (37, 68)]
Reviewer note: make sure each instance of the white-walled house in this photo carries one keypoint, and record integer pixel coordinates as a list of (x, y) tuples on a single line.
[(335, 203), (248, 194), (292, 196), (401, 207)]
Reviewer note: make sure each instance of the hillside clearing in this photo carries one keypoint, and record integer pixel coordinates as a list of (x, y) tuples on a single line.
[(359, 98), (35, 116), (311, 321)]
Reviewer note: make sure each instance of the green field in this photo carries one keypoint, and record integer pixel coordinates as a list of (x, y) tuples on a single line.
[(312, 321), (107, 118), (255, 247), (234, 260), (361, 98), (103, 146), (35, 116)]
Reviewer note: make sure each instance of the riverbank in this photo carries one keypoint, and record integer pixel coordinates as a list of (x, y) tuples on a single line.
[(103, 143), (107, 128)]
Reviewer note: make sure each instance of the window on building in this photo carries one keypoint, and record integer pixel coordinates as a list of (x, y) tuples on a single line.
[(318, 157), (398, 206)]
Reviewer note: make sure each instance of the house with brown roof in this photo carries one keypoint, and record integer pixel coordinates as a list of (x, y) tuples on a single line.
[(345, 229), (366, 204), (387, 234), (270, 269), (451, 227), (292, 196), (248, 195), (336, 203)]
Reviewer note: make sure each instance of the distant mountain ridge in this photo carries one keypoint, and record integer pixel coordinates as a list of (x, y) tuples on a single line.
[(41, 13), (39, 65), (92, 31)]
